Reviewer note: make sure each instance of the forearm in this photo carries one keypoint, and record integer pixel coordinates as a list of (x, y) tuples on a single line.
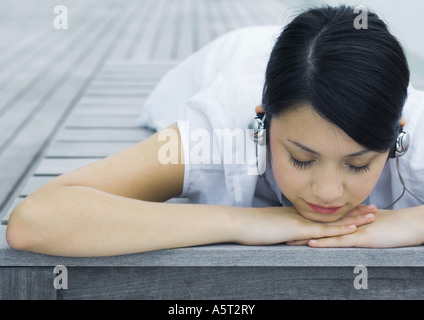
[(414, 220), (80, 221)]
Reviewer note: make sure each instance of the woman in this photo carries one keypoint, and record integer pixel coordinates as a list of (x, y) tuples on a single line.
[(331, 111)]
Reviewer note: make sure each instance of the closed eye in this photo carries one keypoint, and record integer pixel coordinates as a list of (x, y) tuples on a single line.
[(307, 164), (300, 164), (358, 170)]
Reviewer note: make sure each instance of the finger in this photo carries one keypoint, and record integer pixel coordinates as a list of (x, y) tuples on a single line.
[(338, 241), (356, 220), (362, 209), (329, 230)]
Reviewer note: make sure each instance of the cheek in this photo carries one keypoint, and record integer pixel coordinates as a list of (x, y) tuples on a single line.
[(290, 180), (361, 187), (358, 190)]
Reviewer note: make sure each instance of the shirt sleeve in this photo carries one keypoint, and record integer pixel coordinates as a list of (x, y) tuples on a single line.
[(411, 165), (204, 176), (218, 153)]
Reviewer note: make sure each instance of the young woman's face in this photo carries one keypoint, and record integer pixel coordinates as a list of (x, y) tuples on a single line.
[(320, 169)]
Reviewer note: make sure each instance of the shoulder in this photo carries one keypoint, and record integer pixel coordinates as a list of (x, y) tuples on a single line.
[(227, 103), (219, 164)]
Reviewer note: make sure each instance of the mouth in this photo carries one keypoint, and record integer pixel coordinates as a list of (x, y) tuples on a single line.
[(323, 210)]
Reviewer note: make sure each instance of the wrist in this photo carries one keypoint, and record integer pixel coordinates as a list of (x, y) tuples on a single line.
[(261, 226), (229, 224), (239, 219)]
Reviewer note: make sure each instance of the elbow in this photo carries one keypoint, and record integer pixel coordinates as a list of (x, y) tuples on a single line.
[(21, 228)]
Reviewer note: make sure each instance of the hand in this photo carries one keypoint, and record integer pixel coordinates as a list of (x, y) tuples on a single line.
[(359, 216), (273, 225), (391, 228)]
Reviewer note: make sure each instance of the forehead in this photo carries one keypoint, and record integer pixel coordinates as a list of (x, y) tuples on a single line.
[(305, 125)]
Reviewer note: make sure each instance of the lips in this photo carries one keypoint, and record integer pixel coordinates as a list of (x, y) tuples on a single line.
[(323, 210)]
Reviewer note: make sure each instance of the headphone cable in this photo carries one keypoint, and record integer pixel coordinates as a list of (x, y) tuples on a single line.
[(404, 188)]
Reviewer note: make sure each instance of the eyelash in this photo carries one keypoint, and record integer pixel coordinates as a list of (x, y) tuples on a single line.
[(306, 164)]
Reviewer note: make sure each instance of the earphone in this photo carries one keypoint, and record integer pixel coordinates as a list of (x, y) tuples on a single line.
[(258, 127), (403, 142), (258, 135)]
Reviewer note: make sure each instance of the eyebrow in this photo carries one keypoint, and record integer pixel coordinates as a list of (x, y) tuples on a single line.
[(305, 148)]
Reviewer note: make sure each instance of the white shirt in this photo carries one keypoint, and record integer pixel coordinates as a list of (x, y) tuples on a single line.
[(217, 89)]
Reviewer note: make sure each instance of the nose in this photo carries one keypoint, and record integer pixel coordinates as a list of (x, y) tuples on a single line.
[(327, 186)]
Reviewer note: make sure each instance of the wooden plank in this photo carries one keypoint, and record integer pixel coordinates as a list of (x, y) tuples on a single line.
[(145, 24), (136, 75), (23, 68), (166, 33), (137, 65), (32, 137), (123, 101), (129, 90), (18, 74), (86, 149), (27, 283), (231, 16), (108, 110), (103, 135), (31, 97), (240, 283), (181, 43), (256, 12), (132, 26), (142, 51), (9, 210), (231, 255), (219, 21), (121, 88), (211, 283), (76, 121), (204, 19), (53, 166)]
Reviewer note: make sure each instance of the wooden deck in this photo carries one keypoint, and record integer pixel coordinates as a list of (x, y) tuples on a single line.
[(70, 97), (66, 91)]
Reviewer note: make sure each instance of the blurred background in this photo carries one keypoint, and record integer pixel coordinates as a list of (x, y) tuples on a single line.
[(94, 75)]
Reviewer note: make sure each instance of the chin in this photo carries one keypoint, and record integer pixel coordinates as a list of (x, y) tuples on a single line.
[(317, 217)]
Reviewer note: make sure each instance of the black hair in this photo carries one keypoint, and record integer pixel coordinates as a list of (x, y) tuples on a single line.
[(355, 78)]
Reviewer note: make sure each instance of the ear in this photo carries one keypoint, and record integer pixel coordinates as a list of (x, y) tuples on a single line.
[(259, 109), (402, 122)]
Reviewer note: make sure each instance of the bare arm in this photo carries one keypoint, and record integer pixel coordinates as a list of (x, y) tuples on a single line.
[(114, 207)]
